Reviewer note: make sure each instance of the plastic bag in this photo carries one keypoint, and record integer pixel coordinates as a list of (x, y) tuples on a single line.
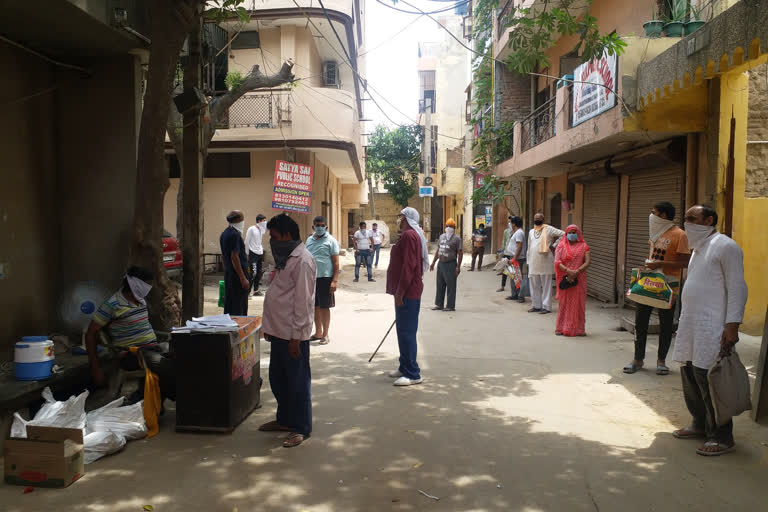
[(729, 386), (501, 265), (651, 288), (127, 421), (99, 444), (67, 414)]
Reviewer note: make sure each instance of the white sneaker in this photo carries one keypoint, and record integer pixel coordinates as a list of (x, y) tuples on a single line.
[(395, 374), (405, 381)]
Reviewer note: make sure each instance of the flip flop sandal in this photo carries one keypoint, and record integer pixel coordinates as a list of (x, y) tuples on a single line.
[(722, 449), (632, 368), (687, 433), (662, 370), (324, 341), (273, 426), (314, 338), (293, 440)]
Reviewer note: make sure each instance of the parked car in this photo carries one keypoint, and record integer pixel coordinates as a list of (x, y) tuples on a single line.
[(172, 256)]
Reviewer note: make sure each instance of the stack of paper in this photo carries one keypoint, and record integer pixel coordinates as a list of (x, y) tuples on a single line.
[(209, 324)]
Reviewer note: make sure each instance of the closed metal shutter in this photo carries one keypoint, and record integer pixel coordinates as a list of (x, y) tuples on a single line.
[(601, 206), (645, 190)]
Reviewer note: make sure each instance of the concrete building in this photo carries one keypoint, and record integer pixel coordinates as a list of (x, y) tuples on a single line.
[(601, 156), (314, 121), (71, 93)]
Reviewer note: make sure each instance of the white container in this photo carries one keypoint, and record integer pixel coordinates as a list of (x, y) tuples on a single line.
[(33, 358)]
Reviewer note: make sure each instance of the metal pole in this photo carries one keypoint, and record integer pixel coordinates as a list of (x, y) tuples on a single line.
[(427, 217)]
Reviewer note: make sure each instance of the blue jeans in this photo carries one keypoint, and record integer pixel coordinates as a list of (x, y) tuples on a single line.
[(376, 250), (407, 322), (364, 253), (291, 383)]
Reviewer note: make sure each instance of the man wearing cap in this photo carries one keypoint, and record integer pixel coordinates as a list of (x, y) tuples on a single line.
[(449, 253)]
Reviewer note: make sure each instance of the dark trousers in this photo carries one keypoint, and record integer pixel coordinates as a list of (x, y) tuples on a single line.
[(376, 251), (446, 279), (159, 362), (364, 254), (235, 298), (256, 261), (699, 403), (666, 324), (291, 383), (407, 323), (477, 252)]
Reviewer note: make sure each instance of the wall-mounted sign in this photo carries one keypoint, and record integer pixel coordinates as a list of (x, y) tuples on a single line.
[(426, 191), (479, 180), (593, 88), (479, 219), (292, 189)]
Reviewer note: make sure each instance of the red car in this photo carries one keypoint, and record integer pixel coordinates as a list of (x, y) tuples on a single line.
[(172, 256)]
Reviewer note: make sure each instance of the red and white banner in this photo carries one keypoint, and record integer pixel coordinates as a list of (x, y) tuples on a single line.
[(292, 189)]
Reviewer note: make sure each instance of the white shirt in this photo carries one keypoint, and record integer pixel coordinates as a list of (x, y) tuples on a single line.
[(542, 264), (253, 239), (363, 239), (376, 236), (714, 294), (518, 237)]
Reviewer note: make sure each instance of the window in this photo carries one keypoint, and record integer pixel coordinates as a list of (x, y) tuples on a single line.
[(426, 89), (246, 40), (217, 165)]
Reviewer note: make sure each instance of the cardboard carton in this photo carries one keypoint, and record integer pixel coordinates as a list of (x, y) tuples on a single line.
[(49, 457)]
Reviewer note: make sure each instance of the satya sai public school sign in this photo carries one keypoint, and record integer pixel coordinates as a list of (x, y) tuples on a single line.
[(594, 88), (292, 189)]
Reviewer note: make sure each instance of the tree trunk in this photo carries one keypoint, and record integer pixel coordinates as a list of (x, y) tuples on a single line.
[(171, 21)]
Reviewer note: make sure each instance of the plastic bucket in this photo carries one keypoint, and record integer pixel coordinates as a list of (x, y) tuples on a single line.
[(33, 358)]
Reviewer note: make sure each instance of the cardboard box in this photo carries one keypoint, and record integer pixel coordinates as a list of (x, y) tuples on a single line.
[(49, 457)]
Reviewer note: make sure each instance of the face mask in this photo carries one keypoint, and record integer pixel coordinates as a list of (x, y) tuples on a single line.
[(509, 225), (263, 225), (697, 234), (281, 250), (657, 226), (538, 222), (320, 230), (449, 232), (139, 289), (238, 225), (573, 237)]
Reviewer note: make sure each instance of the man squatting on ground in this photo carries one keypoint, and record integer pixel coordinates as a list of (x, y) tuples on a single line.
[(289, 307)]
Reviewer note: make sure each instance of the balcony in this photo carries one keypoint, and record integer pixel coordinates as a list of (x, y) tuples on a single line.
[(259, 110), (539, 126)]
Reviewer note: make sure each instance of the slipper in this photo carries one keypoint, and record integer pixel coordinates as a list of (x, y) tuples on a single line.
[(294, 439), (324, 341), (688, 433), (722, 448), (437, 308), (315, 338), (274, 426), (558, 333), (632, 368), (662, 369)]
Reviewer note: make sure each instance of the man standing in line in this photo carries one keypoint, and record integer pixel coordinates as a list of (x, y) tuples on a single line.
[(378, 239), (669, 253), (541, 263), (236, 281), (325, 250), (504, 242), (450, 254), (256, 251), (287, 324), (714, 298), (363, 242), (408, 261), (516, 247), (478, 247)]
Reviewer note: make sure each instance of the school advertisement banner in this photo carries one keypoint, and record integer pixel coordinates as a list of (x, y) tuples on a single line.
[(292, 189), (593, 88)]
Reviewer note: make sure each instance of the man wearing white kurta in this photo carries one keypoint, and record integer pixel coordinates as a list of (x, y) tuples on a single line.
[(541, 263), (713, 301)]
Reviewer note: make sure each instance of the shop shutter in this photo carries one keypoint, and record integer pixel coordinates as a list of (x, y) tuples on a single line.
[(645, 190), (600, 227)]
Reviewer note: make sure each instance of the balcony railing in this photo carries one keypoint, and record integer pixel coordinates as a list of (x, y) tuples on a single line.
[(539, 126), (260, 110)]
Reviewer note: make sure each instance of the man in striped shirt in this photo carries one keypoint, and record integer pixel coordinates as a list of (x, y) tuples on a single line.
[(124, 316)]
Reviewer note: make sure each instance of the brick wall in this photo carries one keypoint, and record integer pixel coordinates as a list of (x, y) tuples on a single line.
[(387, 211), (515, 96), (757, 130)]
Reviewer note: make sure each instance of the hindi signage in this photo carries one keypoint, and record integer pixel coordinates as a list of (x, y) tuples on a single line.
[(292, 189), (593, 88)]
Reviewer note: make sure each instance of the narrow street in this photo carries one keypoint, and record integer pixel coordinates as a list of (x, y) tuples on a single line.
[(509, 418)]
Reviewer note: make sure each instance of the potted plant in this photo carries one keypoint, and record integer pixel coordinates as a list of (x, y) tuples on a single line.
[(678, 9), (695, 22), (653, 27)]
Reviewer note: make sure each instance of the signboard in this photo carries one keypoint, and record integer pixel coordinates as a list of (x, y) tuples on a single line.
[(479, 180), (488, 216), (593, 88), (426, 191), (479, 219), (292, 189)]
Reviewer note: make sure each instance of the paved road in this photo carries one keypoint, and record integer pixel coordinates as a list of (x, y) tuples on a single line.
[(509, 418)]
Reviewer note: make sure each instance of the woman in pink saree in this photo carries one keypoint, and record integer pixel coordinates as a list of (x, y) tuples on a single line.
[(571, 261)]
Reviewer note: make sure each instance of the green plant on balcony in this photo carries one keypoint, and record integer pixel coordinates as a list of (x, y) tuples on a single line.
[(675, 20), (234, 79), (653, 27), (695, 21)]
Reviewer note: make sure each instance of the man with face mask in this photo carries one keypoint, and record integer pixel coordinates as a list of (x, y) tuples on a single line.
[(236, 281), (256, 251), (289, 309), (325, 250), (450, 254), (124, 317), (713, 302), (541, 263), (669, 253)]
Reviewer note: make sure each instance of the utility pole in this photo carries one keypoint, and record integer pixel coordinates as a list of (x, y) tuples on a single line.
[(192, 197), (427, 155)]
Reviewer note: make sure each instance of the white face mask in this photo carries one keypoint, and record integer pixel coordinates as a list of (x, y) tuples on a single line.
[(240, 226), (449, 232), (657, 226), (697, 234), (139, 289), (263, 225), (509, 225)]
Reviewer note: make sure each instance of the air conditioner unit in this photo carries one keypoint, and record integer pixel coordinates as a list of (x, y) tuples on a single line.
[(331, 74)]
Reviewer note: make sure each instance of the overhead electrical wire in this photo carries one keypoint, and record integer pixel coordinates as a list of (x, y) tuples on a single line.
[(444, 9)]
